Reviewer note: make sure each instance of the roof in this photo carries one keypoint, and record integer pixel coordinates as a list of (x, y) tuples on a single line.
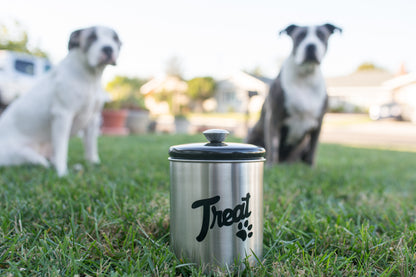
[(165, 83), (246, 81), (401, 81), (265, 80), (364, 78)]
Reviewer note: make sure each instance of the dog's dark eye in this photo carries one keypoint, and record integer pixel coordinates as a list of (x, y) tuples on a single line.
[(90, 40), (117, 39), (320, 34), (92, 37), (300, 37)]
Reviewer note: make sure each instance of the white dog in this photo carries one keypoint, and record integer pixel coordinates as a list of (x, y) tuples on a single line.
[(37, 126)]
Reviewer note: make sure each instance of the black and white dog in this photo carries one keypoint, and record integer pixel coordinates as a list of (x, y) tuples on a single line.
[(292, 113), (36, 127)]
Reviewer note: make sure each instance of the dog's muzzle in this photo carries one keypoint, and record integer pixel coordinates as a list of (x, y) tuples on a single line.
[(108, 51), (310, 54), (108, 55)]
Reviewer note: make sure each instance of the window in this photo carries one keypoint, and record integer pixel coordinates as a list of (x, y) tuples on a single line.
[(229, 96), (25, 67), (47, 67)]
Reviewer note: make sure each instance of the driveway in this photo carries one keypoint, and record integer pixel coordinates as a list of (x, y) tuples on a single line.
[(348, 129), (358, 130)]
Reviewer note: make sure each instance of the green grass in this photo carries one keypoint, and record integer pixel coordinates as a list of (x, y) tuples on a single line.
[(353, 214)]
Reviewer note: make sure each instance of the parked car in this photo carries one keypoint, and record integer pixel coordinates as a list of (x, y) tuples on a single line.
[(394, 110), (409, 113), (387, 110), (18, 73)]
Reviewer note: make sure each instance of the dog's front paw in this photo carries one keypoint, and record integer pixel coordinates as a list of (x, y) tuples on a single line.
[(61, 171), (95, 161)]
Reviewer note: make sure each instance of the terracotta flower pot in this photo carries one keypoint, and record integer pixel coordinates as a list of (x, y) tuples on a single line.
[(114, 122)]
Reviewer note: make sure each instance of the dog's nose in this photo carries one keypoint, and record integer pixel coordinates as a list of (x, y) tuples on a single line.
[(108, 51), (310, 50), (310, 54)]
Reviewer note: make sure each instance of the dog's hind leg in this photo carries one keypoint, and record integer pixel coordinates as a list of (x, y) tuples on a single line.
[(23, 155), (256, 134)]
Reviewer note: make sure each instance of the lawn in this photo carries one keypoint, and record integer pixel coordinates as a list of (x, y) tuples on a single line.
[(353, 214)]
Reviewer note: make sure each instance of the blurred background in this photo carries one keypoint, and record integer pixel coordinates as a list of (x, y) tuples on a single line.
[(186, 66)]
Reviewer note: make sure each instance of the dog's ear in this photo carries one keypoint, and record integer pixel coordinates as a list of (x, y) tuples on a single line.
[(289, 29), (74, 39), (332, 28)]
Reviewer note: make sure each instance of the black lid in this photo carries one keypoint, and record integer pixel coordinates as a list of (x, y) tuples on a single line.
[(216, 149)]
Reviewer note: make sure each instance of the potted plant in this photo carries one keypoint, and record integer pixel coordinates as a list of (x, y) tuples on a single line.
[(182, 123), (125, 93), (138, 119), (114, 119)]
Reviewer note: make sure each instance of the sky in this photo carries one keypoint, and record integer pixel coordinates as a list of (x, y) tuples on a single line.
[(219, 37)]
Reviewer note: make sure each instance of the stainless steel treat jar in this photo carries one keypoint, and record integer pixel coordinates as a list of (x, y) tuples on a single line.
[(216, 201)]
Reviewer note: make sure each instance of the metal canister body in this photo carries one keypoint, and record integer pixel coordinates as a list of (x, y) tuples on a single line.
[(217, 209)]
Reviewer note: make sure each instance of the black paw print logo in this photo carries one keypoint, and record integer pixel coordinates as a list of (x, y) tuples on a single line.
[(244, 233)]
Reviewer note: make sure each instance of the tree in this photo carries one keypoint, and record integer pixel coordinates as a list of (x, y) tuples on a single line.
[(200, 89), (126, 91), (366, 66), (18, 42)]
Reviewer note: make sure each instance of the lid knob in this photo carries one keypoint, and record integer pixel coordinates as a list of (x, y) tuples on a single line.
[(215, 135)]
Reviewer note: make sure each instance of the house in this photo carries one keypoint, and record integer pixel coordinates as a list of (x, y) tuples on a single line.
[(359, 90), (165, 94), (403, 91), (241, 92)]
